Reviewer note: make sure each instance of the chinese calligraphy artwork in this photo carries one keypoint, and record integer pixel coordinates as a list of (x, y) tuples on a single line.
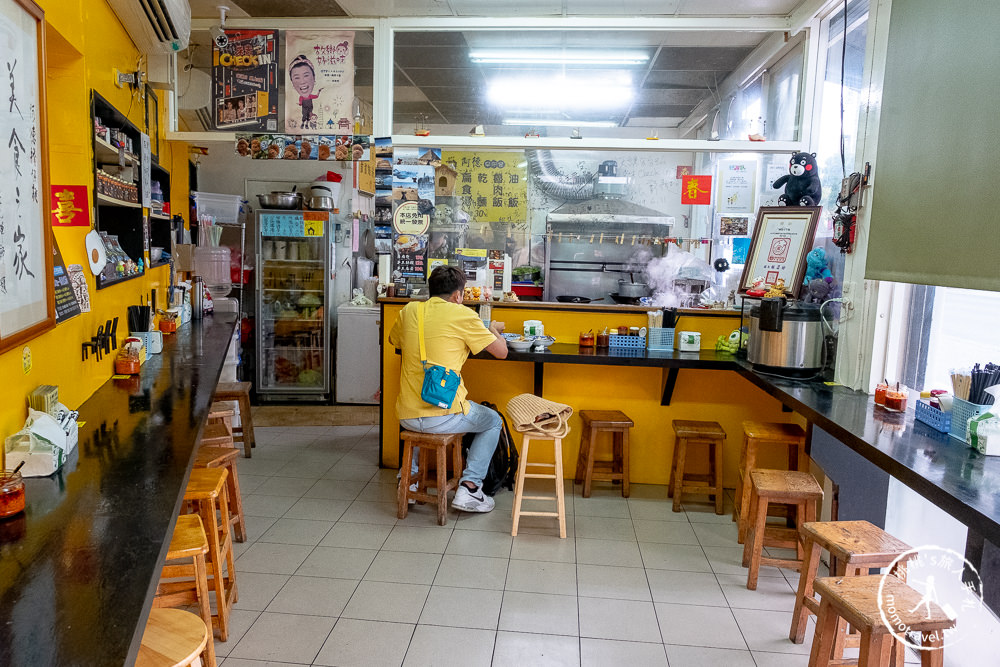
[(782, 237), (26, 278), (696, 190), (319, 82), (70, 206)]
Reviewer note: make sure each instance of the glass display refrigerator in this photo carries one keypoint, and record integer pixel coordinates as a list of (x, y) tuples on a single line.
[(293, 299)]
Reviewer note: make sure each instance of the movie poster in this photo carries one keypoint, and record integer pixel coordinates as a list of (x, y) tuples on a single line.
[(245, 81), (319, 81)]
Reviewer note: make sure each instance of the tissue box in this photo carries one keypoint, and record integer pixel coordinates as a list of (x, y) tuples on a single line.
[(41, 444)]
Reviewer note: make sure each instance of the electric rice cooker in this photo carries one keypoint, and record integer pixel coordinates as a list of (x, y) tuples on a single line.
[(786, 340)]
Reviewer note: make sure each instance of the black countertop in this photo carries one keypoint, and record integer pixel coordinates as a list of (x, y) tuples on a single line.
[(79, 566), (944, 470)]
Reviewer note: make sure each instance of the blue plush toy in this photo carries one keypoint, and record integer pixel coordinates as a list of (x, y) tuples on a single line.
[(816, 267)]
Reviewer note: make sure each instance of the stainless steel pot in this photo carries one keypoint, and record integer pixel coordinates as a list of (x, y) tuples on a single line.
[(319, 203), (629, 289), (796, 348), (281, 200)]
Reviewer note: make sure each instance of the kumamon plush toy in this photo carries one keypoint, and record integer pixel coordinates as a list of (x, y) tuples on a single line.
[(801, 183)]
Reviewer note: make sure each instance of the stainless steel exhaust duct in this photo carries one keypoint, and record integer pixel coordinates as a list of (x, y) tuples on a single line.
[(553, 183)]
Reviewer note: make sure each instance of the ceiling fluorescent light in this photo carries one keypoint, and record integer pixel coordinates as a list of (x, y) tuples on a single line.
[(543, 122), (530, 93), (557, 57)]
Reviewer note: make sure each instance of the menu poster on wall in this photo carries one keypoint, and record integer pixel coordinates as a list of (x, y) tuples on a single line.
[(410, 255), (67, 305), (737, 186), (493, 187), (26, 305), (245, 80), (319, 81)]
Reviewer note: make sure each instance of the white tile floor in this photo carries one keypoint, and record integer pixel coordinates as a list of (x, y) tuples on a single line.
[(328, 576)]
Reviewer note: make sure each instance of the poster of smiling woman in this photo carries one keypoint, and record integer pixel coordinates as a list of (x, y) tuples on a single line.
[(319, 81)]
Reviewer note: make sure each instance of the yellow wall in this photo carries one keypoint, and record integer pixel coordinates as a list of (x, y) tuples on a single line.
[(85, 42), (722, 396)]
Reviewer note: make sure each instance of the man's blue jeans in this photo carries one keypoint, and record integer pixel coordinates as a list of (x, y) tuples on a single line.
[(482, 421)]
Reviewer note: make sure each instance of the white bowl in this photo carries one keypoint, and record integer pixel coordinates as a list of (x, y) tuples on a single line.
[(542, 341), (519, 345)]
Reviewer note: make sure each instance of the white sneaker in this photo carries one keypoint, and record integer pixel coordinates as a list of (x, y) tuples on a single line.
[(472, 501)]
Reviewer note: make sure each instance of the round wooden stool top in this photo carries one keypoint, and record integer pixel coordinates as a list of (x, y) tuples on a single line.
[(698, 430), (856, 542), (205, 483), (790, 484), (188, 539), (215, 457), (606, 419), (172, 638), (773, 431)]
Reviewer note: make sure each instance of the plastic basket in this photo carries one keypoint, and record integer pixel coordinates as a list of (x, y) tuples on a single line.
[(961, 413), (222, 208), (619, 342), (661, 339), (936, 419)]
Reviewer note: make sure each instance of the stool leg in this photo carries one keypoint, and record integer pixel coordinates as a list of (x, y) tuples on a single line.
[(740, 468), (679, 474), (246, 425), (800, 613), (236, 503), (227, 547), (754, 546), (442, 485), (589, 472), (672, 484), (874, 649), (625, 463), (826, 627), (560, 500), (716, 464), (208, 517), (581, 456), (204, 608), (456, 461), (935, 657), (519, 484), (402, 495), (750, 462)]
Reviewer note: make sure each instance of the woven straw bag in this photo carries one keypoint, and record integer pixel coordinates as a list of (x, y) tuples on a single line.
[(530, 413)]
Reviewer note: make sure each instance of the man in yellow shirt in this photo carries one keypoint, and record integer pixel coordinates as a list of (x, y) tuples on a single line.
[(451, 333)]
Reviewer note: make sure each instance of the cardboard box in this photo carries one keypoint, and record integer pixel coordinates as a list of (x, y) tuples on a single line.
[(184, 257)]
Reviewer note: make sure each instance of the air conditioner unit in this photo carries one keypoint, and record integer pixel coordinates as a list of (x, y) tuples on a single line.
[(156, 26)]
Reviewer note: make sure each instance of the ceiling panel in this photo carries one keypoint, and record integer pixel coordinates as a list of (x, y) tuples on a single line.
[(665, 78), (431, 56), (396, 7), (466, 76), (701, 58), (684, 96), (738, 7), (654, 122), (208, 9), (507, 7), (621, 7), (292, 8), (453, 94), (661, 110)]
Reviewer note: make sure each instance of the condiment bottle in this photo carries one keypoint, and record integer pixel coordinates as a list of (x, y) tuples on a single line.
[(895, 399), (11, 494), (880, 390), (587, 339), (603, 338)]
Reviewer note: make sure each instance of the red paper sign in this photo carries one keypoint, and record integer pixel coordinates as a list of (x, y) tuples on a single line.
[(70, 206), (684, 170), (696, 190)]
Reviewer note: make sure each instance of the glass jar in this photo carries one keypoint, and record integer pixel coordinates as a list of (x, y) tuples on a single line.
[(895, 399), (880, 390), (11, 493), (603, 339), (587, 339)]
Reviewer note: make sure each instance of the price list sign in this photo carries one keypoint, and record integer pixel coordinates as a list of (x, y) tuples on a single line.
[(282, 224), (493, 187)]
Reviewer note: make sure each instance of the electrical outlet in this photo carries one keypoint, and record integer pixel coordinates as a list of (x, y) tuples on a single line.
[(121, 78)]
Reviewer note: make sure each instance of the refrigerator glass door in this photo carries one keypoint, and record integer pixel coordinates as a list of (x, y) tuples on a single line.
[(292, 301)]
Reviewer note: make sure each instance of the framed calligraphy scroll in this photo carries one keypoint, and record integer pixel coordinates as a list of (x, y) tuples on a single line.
[(27, 305)]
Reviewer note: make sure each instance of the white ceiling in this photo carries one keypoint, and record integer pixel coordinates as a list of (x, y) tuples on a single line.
[(411, 8)]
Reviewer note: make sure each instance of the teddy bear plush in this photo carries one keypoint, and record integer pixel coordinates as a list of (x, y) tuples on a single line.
[(816, 267), (801, 183)]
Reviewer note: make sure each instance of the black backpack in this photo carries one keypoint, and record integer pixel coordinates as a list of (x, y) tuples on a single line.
[(503, 465)]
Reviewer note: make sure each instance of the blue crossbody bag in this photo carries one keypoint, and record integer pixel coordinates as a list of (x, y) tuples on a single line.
[(440, 383)]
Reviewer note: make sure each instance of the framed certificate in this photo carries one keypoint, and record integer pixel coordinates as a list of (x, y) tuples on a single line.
[(27, 302), (782, 237)]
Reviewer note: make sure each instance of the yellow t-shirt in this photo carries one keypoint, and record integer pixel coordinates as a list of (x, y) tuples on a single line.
[(451, 332)]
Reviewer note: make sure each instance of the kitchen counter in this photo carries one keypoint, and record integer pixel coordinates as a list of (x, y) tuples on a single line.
[(593, 307), (79, 567)]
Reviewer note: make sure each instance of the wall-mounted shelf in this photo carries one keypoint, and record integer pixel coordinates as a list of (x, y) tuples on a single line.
[(157, 216), (115, 281), (111, 201), (105, 153)]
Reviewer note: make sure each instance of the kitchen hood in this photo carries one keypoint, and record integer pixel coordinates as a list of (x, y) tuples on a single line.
[(604, 211)]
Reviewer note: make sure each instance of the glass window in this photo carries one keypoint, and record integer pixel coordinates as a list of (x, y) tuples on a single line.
[(628, 84)]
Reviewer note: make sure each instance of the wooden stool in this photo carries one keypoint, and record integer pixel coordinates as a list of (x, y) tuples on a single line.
[(239, 392), (221, 414), (188, 542), (207, 491), (225, 457), (439, 442), (858, 547), (174, 638), (756, 434), (557, 476), (618, 425), (788, 487), (216, 435), (856, 601), (700, 433)]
